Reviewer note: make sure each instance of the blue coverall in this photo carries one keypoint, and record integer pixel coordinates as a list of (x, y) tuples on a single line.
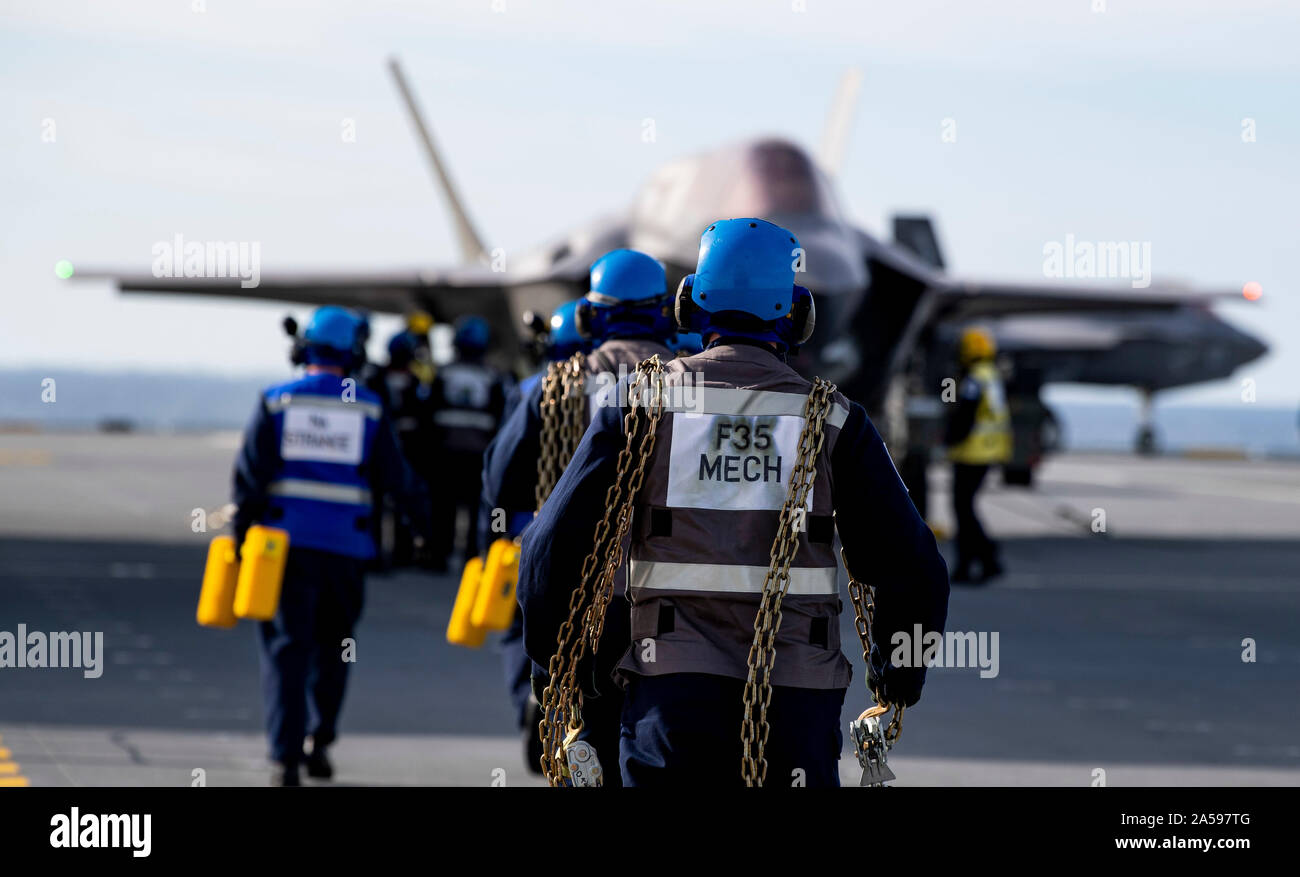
[(329, 543)]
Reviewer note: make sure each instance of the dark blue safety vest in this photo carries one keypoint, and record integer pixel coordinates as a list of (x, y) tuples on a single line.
[(325, 432)]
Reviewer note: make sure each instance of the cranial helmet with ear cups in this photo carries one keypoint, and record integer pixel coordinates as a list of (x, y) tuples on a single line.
[(628, 297), (744, 286), (335, 336)]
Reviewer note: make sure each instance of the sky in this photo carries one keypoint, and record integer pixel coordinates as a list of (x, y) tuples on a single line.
[(127, 123)]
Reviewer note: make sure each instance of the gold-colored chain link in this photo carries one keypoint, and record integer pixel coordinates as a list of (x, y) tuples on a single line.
[(563, 420), (863, 617), (595, 623), (754, 729), (573, 404), (561, 708), (548, 470)]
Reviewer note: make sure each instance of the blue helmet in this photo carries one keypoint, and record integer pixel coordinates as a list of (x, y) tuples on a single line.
[(563, 339), (333, 337), (401, 348), (686, 343), (744, 286), (628, 297), (471, 338)]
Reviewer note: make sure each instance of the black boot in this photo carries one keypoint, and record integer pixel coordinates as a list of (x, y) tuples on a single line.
[(284, 774), (533, 737), (318, 765)]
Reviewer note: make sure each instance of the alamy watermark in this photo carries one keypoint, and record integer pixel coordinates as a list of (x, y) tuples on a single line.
[(57, 650), (1103, 259), (680, 391), (77, 830), (953, 648), (210, 259)]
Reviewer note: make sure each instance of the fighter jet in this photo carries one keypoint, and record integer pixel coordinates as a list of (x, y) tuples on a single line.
[(882, 306)]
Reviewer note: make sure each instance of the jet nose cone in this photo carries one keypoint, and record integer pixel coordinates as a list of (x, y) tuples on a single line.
[(1249, 348)]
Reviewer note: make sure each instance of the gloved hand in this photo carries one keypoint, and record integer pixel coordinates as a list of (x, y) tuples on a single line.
[(896, 685), (539, 682)]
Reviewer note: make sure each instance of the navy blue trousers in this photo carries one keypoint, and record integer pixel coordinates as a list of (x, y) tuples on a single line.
[(518, 669), (303, 671), (600, 728), (683, 729)]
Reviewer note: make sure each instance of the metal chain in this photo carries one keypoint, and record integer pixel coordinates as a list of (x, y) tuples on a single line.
[(573, 404), (548, 469), (864, 615), (564, 419), (754, 730), (562, 698), (595, 623)]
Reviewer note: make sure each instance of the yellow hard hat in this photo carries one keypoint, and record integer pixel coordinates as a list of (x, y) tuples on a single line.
[(419, 322), (977, 343)]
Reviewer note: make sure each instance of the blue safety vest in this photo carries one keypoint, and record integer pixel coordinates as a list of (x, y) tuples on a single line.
[(325, 433)]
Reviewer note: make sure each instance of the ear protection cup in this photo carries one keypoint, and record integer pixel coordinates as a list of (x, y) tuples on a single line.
[(297, 352), (804, 314), (684, 307), (582, 319)]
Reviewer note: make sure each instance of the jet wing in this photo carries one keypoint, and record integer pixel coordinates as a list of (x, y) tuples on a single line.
[(971, 300), (1155, 337), (446, 294), (499, 298), (912, 300), (379, 291), (955, 299)]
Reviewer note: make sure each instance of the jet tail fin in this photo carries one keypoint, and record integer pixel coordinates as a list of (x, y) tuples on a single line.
[(836, 134), (916, 234), (471, 245)]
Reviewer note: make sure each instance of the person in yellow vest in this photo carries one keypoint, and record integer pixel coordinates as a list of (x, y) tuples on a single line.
[(978, 435)]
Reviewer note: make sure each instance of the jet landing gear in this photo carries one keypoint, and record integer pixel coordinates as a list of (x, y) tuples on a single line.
[(1145, 443)]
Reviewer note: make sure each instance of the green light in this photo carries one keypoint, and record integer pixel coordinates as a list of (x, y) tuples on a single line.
[(63, 269)]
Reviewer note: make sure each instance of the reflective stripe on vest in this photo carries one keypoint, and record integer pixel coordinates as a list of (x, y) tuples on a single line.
[(682, 397), (279, 403), (299, 488), (456, 418), (989, 440), (726, 578)]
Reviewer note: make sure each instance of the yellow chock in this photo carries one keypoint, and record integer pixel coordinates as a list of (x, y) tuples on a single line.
[(494, 603), (461, 630), (217, 597), (261, 572)]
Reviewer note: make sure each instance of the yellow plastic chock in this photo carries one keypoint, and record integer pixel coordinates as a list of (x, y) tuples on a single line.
[(261, 572), (461, 630), (494, 601), (217, 597)]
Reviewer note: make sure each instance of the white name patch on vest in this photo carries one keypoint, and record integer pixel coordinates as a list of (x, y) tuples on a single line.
[(725, 461), (325, 435)]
